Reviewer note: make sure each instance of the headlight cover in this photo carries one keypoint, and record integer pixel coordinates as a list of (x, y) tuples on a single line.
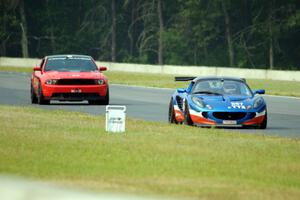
[(51, 82), (100, 82), (258, 102), (198, 102)]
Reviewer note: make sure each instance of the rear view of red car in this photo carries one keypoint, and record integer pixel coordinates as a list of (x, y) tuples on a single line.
[(69, 78)]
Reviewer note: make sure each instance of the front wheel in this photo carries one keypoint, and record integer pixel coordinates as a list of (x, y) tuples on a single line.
[(263, 125), (105, 101), (187, 117), (40, 98)]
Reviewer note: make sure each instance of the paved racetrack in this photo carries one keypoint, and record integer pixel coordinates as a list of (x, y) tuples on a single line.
[(150, 104)]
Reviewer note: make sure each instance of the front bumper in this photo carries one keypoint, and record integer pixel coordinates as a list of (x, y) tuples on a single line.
[(74, 92), (249, 119), (207, 118)]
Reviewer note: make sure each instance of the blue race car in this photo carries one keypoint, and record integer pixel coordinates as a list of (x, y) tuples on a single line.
[(218, 101)]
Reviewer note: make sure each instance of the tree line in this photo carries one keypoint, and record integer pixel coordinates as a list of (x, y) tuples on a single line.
[(235, 33)]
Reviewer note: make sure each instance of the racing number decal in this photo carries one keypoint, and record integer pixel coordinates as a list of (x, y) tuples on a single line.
[(238, 105)]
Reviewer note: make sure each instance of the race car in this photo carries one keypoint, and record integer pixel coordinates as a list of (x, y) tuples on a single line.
[(218, 101), (69, 78)]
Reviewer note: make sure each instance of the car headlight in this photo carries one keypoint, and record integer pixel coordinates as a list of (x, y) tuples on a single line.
[(258, 102), (51, 81), (100, 82), (198, 102)]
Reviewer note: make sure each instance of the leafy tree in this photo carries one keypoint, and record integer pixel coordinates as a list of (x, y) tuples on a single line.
[(238, 33)]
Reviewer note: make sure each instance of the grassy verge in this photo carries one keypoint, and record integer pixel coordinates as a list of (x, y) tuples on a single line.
[(273, 87), (151, 158), (288, 88)]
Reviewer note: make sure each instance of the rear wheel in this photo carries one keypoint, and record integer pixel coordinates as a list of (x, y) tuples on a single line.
[(40, 97), (33, 95), (187, 117), (172, 118)]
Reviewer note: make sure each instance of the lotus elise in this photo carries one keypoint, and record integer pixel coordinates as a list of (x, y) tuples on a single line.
[(218, 101)]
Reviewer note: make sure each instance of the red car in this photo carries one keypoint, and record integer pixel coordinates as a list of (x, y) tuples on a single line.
[(69, 78)]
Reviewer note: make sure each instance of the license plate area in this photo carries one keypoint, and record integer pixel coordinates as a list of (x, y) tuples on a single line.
[(76, 90), (229, 122)]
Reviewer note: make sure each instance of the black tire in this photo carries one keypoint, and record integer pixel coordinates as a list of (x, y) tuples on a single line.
[(105, 101), (94, 102), (187, 117), (34, 99), (264, 124), (97, 102), (40, 97), (171, 118)]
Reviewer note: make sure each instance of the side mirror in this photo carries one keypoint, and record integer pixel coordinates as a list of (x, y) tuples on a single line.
[(37, 68), (102, 68), (261, 91), (181, 90)]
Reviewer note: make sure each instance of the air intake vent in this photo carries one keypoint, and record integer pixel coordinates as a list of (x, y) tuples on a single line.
[(75, 82), (229, 115), (179, 102)]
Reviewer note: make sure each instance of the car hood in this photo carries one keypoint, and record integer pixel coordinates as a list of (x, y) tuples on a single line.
[(73, 75), (226, 102)]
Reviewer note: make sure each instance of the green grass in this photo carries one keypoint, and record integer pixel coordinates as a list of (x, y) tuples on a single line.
[(16, 69), (272, 87), (151, 158)]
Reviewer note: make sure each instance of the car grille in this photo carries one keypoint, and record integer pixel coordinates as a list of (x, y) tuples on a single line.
[(229, 115), (75, 82)]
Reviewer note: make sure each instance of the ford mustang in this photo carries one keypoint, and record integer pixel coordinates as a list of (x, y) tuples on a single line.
[(69, 78), (218, 101)]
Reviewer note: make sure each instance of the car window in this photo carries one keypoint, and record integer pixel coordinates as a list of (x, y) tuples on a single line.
[(74, 64), (224, 87)]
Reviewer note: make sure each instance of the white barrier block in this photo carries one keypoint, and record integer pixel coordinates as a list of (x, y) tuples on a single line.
[(115, 119)]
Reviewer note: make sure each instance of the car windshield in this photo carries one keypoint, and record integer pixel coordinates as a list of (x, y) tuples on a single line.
[(70, 64), (221, 87)]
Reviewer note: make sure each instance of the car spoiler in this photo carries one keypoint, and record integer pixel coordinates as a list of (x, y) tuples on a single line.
[(184, 78)]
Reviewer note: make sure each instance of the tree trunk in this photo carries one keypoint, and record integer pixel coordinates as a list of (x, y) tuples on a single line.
[(228, 35), (52, 37), (161, 30), (132, 31), (113, 33), (23, 25), (271, 50), (3, 42), (246, 13)]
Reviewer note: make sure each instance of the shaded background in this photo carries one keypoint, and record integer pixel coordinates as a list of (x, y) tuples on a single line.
[(236, 33)]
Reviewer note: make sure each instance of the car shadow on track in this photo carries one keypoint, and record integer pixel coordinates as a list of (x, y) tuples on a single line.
[(85, 103)]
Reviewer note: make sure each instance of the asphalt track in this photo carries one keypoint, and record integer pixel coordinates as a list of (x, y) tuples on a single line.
[(150, 104)]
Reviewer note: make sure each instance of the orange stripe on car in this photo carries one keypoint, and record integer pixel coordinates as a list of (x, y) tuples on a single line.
[(256, 120), (198, 118), (179, 116)]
